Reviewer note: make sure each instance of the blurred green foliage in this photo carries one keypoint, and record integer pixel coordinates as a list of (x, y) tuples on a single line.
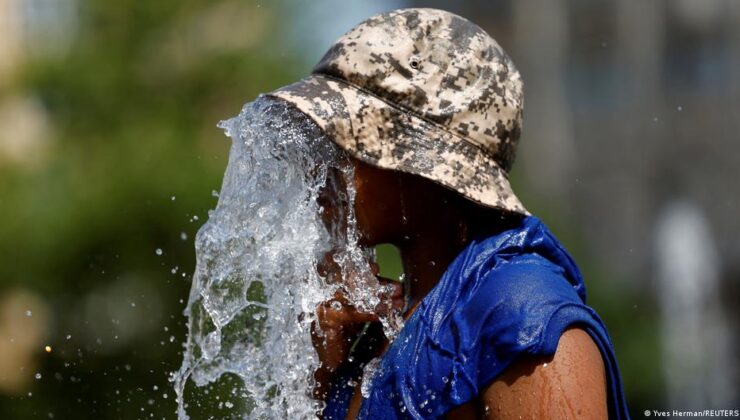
[(133, 157)]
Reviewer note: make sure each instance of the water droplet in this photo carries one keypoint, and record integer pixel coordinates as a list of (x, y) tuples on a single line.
[(47, 349), (158, 251), (37, 376), (172, 198), (183, 236), (29, 313)]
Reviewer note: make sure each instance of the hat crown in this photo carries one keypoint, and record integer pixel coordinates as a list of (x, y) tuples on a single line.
[(440, 67)]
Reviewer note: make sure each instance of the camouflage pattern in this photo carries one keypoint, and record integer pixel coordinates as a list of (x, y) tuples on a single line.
[(422, 91)]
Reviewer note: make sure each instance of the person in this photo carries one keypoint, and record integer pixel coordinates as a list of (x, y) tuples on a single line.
[(429, 107)]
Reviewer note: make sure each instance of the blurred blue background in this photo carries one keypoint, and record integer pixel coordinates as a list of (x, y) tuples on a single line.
[(109, 154)]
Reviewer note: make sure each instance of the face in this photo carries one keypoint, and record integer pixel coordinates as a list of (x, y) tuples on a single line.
[(376, 213), (379, 204), (391, 206)]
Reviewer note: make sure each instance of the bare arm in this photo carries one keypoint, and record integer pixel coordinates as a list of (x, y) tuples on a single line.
[(570, 384)]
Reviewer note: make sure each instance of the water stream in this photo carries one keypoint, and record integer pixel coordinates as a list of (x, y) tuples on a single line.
[(256, 283)]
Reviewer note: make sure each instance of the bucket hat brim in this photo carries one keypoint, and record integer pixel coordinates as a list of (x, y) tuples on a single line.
[(387, 136)]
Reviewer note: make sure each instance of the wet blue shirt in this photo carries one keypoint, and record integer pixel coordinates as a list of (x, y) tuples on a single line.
[(509, 295)]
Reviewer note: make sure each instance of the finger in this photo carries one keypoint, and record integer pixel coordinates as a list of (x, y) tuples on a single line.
[(392, 288), (375, 268), (393, 297), (337, 313), (328, 267), (349, 313)]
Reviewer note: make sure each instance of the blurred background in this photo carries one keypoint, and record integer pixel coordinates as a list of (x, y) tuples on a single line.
[(109, 154)]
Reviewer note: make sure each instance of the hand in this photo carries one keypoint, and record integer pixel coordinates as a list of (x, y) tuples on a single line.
[(338, 325)]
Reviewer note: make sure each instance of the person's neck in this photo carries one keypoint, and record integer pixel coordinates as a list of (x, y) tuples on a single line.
[(425, 258), (427, 253)]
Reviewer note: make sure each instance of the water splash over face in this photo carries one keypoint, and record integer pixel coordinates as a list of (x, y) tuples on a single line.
[(256, 284)]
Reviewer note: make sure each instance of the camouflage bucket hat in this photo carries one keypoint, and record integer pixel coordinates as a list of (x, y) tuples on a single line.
[(421, 91)]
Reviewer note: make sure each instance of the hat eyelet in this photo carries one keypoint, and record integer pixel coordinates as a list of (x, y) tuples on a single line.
[(415, 63)]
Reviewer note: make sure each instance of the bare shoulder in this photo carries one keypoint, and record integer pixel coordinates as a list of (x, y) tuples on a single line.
[(570, 384)]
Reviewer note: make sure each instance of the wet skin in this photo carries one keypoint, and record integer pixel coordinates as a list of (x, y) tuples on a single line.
[(431, 225)]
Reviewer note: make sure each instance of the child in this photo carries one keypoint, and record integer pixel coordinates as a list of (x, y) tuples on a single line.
[(430, 107)]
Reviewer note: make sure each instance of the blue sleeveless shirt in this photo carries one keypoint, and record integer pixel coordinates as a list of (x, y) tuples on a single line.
[(509, 295)]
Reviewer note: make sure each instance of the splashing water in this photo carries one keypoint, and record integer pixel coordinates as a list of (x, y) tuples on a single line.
[(256, 284)]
